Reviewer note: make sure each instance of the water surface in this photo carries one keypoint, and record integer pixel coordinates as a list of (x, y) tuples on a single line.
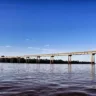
[(47, 80)]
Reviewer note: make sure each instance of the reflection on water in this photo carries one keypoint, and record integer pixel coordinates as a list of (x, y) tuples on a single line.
[(51, 68), (69, 68), (92, 71), (47, 80)]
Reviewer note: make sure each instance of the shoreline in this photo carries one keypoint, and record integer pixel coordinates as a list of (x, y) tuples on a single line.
[(41, 61)]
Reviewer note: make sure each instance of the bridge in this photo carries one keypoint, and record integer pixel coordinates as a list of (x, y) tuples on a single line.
[(69, 54)]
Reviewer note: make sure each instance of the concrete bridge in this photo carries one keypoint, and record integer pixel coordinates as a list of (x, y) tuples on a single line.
[(69, 54)]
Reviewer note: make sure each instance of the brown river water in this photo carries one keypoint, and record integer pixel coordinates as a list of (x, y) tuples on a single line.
[(47, 80)]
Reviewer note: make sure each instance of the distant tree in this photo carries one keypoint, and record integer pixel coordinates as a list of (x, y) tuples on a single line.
[(2, 56)]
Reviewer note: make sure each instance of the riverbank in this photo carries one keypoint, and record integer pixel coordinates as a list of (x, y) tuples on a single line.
[(43, 61)]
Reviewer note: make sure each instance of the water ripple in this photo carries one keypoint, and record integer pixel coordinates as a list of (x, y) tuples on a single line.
[(47, 80)]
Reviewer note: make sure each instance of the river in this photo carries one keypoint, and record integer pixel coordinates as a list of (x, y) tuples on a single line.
[(47, 80)]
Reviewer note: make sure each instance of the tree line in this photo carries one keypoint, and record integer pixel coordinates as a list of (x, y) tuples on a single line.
[(28, 60)]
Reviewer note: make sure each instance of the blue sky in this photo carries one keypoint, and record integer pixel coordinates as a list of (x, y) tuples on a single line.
[(47, 26)]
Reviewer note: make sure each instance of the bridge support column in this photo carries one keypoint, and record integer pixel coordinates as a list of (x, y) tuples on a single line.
[(11, 60), (51, 59), (18, 59), (27, 59), (69, 59), (5, 60), (38, 59), (92, 58)]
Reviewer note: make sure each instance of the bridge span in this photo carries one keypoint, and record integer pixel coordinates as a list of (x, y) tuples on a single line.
[(69, 54)]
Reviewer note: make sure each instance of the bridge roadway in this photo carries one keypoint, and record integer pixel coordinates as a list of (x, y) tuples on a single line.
[(63, 54), (69, 54)]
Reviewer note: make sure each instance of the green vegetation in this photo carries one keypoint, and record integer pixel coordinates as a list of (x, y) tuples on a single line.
[(22, 60)]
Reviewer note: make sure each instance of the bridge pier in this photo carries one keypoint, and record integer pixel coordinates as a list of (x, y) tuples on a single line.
[(92, 58), (51, 59), (18, 59), (5, 60), (27, 59), (11, 60), (69, 59), (38, 59)]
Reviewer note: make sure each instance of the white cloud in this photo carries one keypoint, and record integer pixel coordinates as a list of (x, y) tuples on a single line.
[(30, 40), (30, 47), (48, 50), (46, 45), (27, 39), (44, 50), (35, 48), (8, 46)]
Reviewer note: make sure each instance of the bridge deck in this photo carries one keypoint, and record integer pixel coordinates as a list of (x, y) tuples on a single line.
[(54, 54)]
